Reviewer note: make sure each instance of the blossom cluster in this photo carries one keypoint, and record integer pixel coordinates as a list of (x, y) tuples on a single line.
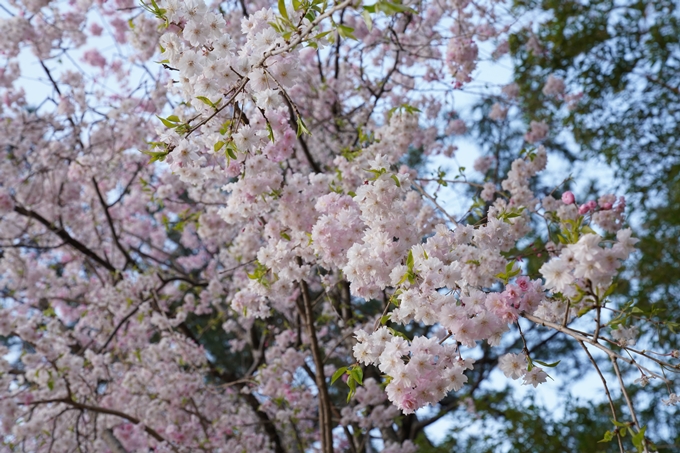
[(421, 372), (586, 267)]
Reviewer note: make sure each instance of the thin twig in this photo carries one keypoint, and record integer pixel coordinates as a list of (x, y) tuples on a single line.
[(432, 199), (606, 390)]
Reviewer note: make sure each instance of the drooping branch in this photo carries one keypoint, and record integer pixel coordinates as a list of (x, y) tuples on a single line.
[(606, 391), (101, 410), (105, 207), (67, 238)]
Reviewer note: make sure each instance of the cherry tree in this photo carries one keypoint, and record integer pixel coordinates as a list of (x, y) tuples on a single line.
[(216, 234)]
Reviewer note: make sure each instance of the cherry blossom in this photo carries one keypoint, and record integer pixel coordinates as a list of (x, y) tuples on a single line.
[(214, 220)]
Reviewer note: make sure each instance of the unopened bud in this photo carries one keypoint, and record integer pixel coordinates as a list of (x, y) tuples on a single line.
[(568, 197)]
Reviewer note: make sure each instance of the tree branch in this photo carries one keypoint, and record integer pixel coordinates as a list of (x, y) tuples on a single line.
[(105, 207), (325, 418), (67, 238)]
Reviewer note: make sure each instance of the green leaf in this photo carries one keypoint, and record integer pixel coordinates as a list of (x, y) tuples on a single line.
[(218, 146), (321, 35), (549, 365), (584, 310), (282, 9), (338, 374), (396, 180), (206, 101), (156, 155), (270, 132), (167, 122), (351, 383), (390, 8), (610, 290), (367, 19), (410, 262), (302, 128), (587, 230), (346, 32), (639, 439), (608, 436), (396, 333), (275, 27), (357, 374), (231, 151)]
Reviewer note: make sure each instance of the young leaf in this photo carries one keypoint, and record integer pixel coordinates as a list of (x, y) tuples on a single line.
[(167, 123), (346, 32), (639, 439), (231, 151), (608, 436), (357, 374), (549, 365), (270, 132), (367, 19), (302, 128), (337, 374), (156, 155), (410, 262), (206, 101), (282, 9), (351, 383), (619, 424)]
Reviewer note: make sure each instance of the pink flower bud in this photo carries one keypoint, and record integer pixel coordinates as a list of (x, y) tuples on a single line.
[(587, 207), (621, 206), (568, 197)]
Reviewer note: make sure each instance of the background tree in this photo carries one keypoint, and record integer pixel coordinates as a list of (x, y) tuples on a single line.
[(621, 59)]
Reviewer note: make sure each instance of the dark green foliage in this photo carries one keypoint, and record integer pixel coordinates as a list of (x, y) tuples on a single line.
[(507, 425), (624, 56)]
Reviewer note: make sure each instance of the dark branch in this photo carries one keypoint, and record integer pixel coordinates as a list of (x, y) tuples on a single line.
[(67, 238)]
